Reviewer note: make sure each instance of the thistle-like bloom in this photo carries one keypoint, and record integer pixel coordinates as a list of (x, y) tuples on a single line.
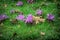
[(20, 17), (39, 12), (50, 17), (29, 19), (3, 17), (19, 3)]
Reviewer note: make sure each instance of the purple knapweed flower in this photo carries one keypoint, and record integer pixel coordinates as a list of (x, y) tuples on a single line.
[(30, 1), (50, 17), (20, 17), (29, 19), (3, 17), (39, 12), (19, 3)]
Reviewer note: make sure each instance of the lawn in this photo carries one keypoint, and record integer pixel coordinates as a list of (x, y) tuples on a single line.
[(23, 31)]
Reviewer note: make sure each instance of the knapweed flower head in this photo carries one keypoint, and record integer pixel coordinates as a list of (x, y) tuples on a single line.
[(29, 19), (50, 17), (30, 1), (20, 17), (3, 17), (19, 3), (39, 12)]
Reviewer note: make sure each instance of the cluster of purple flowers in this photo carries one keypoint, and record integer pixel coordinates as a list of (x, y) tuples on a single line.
[(20, 3), (49, 16), (29, 18)]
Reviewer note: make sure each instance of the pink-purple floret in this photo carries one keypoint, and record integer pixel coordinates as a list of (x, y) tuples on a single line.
[(20, 17), (29, 19), (3, 17), (19, 3), (50, 17), (39, 12)]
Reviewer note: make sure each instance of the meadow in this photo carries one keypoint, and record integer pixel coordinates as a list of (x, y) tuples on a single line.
[(24, 31)]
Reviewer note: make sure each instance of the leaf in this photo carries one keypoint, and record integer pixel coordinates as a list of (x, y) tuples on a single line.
[(38, 19)]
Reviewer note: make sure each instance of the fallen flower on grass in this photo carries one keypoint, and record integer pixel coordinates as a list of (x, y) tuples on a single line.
[(50, 17), (39, 12), (20, 17), (29, 19), (19, 3), (3, 17)]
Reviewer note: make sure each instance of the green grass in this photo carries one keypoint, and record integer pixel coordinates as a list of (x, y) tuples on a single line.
[(29, 32)]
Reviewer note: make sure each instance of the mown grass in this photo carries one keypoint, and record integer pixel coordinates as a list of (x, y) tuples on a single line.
[(29, 32)]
